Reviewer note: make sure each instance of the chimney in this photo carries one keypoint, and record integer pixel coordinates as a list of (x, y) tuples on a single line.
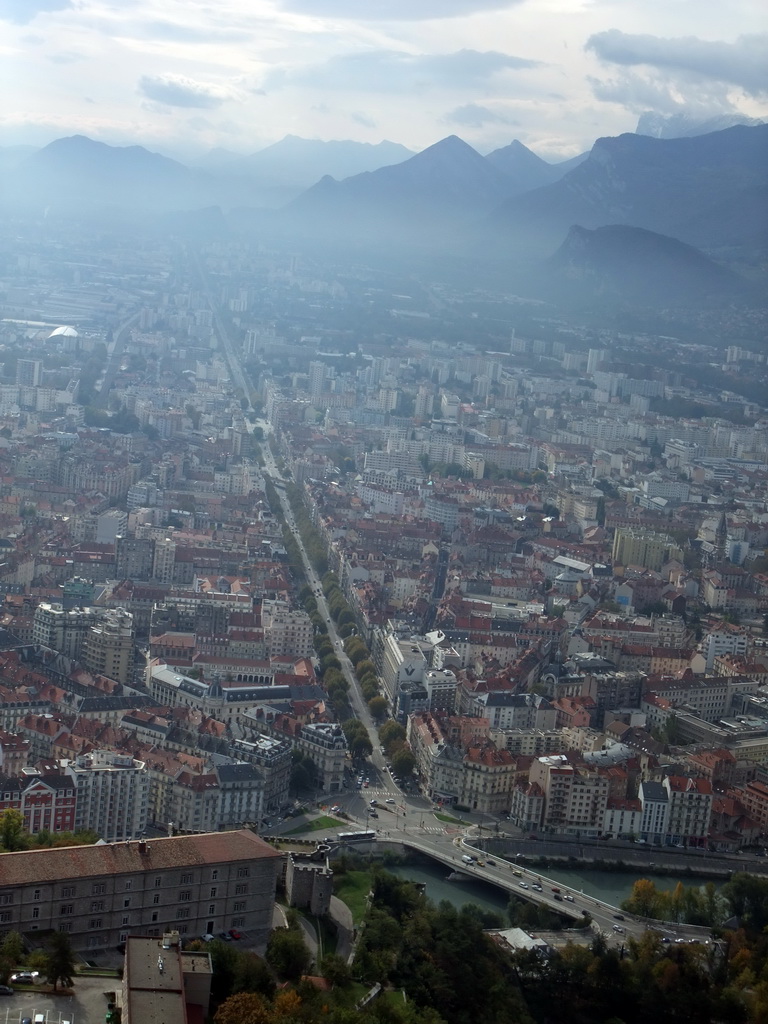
[(143, 848)]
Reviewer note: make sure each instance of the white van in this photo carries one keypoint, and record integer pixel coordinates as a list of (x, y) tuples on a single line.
[(467, 859)]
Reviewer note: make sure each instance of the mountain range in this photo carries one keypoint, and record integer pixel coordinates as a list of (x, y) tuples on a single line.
[(707, 191)]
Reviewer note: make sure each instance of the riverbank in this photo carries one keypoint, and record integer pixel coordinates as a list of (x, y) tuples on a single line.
[(625, 858)]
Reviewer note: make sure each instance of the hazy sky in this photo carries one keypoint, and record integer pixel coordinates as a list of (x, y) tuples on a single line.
[(186, 75)]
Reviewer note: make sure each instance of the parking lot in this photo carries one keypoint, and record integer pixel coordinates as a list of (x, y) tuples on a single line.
[(87, 1005)]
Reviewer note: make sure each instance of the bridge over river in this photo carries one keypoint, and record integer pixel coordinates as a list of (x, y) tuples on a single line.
[(517, 879)]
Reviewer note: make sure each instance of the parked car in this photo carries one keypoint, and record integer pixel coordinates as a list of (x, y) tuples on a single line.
[(235, 934), (225, 936), (25, 977), (6, 990), (207, 937), (373, 814)]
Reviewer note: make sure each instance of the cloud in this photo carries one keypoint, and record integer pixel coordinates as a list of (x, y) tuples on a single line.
[(177, 33), (178, 91), (473, 115), (394, 71), (741, 63), (363, 119), (394, 10), (640, 93), (23, 11)]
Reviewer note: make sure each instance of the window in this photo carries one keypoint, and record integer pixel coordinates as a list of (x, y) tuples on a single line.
[(238, 905), (186, 878), (241, 890), (67, 908), (182, 929), (211, 909), (185, 896), (35, 912), (98, 889), (127, 903), (156, 899), (5, 900), (238, 922), (181, 913), (126, 919), (129, 883), (5, 916), (213, 892), (158, 882), (242, 872), (67, 892), (36, 894), (65, 926), (97, 905), (155, 915), (214, 875), (95, 922)]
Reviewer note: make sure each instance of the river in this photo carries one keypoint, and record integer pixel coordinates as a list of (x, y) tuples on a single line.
[(610, 886)]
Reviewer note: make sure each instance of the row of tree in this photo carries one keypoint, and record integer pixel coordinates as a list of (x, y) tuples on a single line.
[(56, 963), (14, 835)]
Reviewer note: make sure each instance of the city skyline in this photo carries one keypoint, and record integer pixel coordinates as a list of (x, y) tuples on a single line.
[(182, 79)]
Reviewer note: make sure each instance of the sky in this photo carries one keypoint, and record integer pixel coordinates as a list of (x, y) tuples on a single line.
[(185, 76)]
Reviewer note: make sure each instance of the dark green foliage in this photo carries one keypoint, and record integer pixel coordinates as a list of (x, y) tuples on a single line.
[(288, 954), (60, 968)]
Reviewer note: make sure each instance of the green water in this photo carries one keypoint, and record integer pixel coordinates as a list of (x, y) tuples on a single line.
[(609, 886)]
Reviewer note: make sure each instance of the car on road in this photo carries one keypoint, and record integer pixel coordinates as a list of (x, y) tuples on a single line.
[(373, 814), (517, 873), (618, 929), (366, 784), (619, 917), (335, 809), (569, 898), (558, 897), (537, 887), (523, 885), (491, 863), (389, 800)]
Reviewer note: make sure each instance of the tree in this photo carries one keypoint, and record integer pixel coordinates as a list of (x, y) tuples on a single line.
[(334, 969), (403, 762), (361, 747), (287, 953), (12, 833), (11, 954), (251, 974), (244, 1008), (645, 900), (378, 707), (391, 732), (61, 961)]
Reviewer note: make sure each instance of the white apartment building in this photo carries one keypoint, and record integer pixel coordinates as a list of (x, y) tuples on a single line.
[(734, 641), (285, 631), (690, 810), (112, 794), (654, 803)]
